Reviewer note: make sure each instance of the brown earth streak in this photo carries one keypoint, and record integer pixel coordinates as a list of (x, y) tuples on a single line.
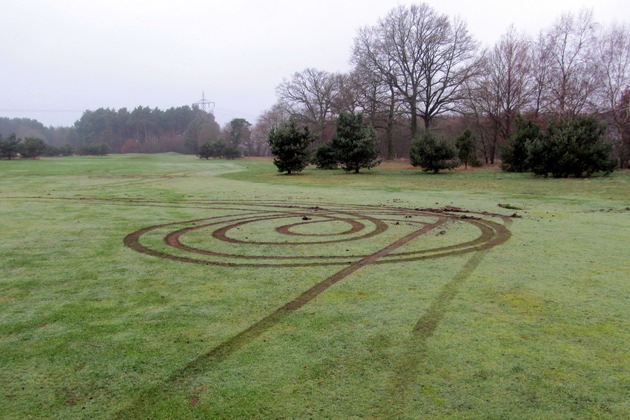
[(492, 234)]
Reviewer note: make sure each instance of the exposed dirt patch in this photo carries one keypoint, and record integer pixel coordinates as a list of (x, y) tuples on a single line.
[(363, 223)]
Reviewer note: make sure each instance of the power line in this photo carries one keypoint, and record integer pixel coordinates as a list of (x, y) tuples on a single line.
[(204, 104)]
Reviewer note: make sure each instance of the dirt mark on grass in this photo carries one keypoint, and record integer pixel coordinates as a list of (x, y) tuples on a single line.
[(357, 218), (428, 323), (409, 370), (363, 222)]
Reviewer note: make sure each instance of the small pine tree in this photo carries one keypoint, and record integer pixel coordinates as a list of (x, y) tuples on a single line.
[(325, 157), (93, 150), (289, 144), (9, 147), (355, 145), (573, 148), (431, 153), (218, 149), (514, 155), (466, 148), (205, 151), (230, 152), (32, 147)]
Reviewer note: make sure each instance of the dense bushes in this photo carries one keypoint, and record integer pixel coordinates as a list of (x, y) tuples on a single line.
[(32, 147), (432, 153), (218, 149), (514, 154), (325, 157), (575, 148), (29, 148), (93, 150), (9, 147), (54, 151), (466, 149), (353, 146)]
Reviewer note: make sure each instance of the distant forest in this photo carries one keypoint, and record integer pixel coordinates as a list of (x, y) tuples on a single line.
[(143, 130)]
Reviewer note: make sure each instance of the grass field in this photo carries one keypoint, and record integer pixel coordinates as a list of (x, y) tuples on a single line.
[(163, 286)]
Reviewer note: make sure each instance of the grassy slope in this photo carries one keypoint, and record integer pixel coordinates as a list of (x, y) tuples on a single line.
[(537, 327)]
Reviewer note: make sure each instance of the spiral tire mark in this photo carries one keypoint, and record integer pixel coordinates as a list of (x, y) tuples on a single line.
[(492, 234), (361, 223)]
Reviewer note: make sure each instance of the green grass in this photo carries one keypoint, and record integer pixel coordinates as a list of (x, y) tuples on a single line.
[(537, 327)]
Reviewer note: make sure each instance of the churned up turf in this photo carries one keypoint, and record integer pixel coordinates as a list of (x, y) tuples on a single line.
[(163, 286)]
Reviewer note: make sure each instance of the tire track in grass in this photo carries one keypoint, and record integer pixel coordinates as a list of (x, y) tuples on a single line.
[(414, 360), (183, 380), (409, 367), (185, 377)]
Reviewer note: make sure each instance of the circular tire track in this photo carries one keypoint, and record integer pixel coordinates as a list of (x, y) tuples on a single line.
[(356, 224), (288, 235)]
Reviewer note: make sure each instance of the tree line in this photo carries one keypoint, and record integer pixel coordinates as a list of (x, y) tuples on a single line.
[(183, 129), (575, 147), (12, 147), (417, 69)]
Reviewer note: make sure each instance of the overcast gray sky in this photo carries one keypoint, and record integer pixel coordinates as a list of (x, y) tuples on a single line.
[(61, 57)]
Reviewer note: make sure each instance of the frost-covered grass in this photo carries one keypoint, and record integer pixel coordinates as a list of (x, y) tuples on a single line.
[(537, 327)]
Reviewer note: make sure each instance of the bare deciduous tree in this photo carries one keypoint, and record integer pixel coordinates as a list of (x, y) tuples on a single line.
[(613, 55), (574, 76), (346, 97), (267, 121), (423, 54), (310, 95), (623, 146), (510, 69), (502, 89), (541, 74), (377, 92)]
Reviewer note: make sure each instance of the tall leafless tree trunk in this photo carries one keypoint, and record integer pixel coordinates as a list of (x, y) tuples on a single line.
[(613, 55), (426, 57), (503, 88), (310, 95), (378, 95), (573, 74)]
